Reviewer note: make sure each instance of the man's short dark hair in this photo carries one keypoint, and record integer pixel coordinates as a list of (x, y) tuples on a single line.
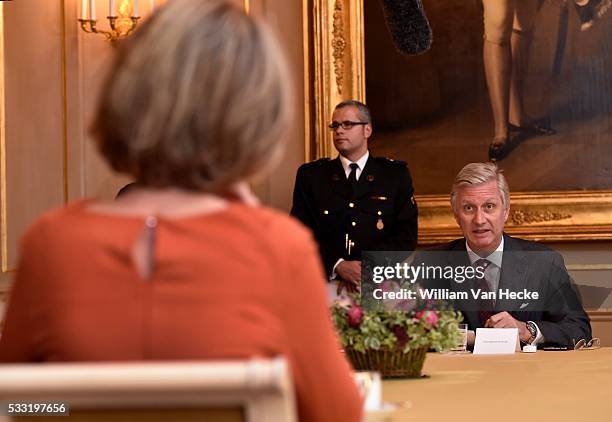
[(364, 111)]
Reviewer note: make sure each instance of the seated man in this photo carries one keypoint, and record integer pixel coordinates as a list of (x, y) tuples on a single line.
[(532, 290)]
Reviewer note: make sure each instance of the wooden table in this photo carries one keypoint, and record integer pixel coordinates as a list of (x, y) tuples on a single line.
[(544, 386)]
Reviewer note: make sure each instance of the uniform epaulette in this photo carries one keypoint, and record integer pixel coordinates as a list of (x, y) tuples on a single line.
[(314, 164), (319, 161), (390, 160)]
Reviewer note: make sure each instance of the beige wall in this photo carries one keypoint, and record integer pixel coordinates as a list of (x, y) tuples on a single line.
[(286, 19), (52, 72), (33, 117)]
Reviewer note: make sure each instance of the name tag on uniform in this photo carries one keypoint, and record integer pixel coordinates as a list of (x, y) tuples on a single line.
[(496, 341), (380, 198)]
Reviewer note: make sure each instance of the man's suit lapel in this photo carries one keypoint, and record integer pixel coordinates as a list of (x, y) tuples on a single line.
[(459, 258), (459, 254), (512, 275), (337, 179)]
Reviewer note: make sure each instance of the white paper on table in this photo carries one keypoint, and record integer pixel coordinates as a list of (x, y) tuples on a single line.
[(370, 388), (496, 341)]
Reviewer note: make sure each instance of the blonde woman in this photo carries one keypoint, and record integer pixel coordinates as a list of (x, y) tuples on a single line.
[(186, 265)]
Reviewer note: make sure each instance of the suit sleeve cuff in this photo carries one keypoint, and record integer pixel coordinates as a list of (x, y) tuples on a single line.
[(333, 275), (539, 336)]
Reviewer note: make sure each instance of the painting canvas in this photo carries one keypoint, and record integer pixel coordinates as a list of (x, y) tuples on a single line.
[(434, 111)]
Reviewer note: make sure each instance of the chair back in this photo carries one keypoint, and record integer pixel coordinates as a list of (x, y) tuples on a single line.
[(253, 390)]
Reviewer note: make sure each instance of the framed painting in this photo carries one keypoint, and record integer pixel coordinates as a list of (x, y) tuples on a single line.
[(435, 110)]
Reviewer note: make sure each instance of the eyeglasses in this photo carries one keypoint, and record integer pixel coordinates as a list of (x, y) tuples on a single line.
[(582, 344), (346, 125)]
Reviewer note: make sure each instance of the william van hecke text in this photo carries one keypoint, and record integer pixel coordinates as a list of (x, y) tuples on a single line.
[(447, 294), (504, 294)]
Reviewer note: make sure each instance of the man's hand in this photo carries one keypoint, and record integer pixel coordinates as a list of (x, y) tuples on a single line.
[(349, 275), (471, 338), (505, 320)]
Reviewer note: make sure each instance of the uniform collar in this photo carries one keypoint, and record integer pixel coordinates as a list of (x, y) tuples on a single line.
[(361, 162)]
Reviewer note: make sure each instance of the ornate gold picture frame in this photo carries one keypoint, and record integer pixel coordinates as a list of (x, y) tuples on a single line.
[(339, 73)]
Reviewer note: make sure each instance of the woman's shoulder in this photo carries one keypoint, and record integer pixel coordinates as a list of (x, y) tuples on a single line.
[(58, 215), (55, 222)]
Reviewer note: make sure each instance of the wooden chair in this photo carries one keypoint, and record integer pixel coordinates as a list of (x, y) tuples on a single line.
[(254, 390)]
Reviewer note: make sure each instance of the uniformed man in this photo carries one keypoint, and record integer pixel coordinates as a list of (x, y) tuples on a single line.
[(355, 202)]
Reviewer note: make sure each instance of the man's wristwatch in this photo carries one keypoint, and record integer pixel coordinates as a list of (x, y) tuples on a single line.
[(533, 329)]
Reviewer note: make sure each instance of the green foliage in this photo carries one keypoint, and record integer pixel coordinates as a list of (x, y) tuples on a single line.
[(378, 330)]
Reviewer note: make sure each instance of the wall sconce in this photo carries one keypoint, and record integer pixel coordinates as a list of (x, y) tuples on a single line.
[(122, 19)]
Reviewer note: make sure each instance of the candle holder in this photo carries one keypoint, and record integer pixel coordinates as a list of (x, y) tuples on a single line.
[(120, 26)]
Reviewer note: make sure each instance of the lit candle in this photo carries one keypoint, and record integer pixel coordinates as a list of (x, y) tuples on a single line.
[(84, 9), (135, 13), (111, 8), (92, 10)]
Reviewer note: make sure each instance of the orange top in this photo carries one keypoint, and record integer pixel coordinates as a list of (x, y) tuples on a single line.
[(232, 284)]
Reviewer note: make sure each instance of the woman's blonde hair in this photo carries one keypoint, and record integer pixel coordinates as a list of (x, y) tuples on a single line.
[(198, 98)]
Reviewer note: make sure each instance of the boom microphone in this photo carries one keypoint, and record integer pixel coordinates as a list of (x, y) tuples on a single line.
[(408, 25)]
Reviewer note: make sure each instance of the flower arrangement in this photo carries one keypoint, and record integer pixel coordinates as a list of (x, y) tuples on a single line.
[(394, 342)]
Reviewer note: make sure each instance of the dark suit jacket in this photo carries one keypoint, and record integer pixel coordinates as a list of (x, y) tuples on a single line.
[(383, 209), (525, 265)]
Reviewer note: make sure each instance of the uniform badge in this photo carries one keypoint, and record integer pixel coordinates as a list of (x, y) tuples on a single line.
[(335, 177), (379, 224), (370, 178)]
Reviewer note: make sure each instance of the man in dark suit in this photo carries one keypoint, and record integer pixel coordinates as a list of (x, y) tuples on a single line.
[(355, 202), (480, 200)]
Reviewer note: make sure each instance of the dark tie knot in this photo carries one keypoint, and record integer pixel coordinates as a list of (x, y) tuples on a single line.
[(482, 263), (354, 166)]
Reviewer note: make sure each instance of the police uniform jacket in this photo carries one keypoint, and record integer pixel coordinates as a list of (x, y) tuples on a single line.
[(380, 214)]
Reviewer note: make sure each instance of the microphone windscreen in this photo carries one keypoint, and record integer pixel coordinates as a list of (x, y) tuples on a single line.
[(408, 25)]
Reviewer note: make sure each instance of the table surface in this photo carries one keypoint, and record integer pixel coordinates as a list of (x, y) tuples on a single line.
[(544, 386)]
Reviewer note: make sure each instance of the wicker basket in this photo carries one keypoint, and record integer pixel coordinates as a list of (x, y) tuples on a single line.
[(391, 364)]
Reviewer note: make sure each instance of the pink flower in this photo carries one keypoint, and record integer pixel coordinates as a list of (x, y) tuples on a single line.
[(355, 315), (430, 317)]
